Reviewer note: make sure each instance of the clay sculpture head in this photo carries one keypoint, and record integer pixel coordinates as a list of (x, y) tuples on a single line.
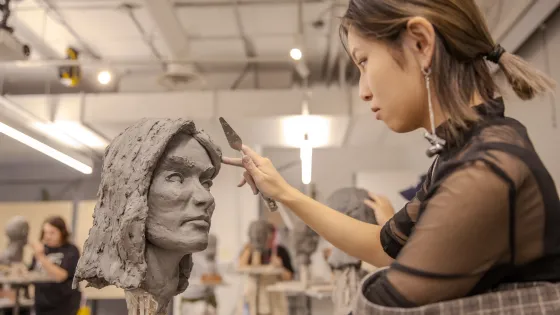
[(349, 201), (17, 231), (348, 274), (259, 232), (153, 209), (305, 242)]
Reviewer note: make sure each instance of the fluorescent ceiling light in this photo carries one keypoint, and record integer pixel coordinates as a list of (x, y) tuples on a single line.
[(316, 127), (81, 133), (45, 149), (306, 156), (56, 133)]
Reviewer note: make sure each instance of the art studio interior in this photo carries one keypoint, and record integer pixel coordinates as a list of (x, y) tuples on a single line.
[(272, 157)]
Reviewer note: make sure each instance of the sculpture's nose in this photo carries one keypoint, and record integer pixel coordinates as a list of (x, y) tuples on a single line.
[(202, 198)]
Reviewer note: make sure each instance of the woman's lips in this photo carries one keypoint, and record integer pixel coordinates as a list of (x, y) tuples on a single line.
[(376, 110)]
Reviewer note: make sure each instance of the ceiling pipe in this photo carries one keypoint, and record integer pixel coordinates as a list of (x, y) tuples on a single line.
[(134, 61)]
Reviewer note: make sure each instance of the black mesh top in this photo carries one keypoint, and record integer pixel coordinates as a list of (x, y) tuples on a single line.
[(488, 213)]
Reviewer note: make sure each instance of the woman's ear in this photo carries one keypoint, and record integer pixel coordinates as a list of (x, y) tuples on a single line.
[(420, 37)]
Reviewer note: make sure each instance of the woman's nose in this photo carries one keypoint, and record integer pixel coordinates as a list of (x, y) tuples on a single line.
[(364, 92)]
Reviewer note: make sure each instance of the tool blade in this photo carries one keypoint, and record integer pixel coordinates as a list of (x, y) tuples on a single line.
[(232, 137)]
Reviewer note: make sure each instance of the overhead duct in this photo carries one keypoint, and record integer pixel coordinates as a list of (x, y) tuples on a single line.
[(177, 76)]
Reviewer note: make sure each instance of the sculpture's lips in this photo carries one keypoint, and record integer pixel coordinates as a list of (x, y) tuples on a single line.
[(198, 218)]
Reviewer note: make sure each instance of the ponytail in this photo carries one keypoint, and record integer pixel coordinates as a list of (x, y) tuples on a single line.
[(524, 79)]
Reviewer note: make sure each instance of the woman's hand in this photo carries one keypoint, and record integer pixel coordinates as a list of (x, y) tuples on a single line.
[(276, 261), (381, 207), (38, 249), (260, 174)]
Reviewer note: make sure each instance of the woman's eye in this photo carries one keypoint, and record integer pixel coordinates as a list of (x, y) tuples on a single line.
[(207, 184), (175, 177), (362, 63)]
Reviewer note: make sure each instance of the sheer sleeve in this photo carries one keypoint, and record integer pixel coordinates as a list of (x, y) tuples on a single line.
[(462, 232), (396, 231)]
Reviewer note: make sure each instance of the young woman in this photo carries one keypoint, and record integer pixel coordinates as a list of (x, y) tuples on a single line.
[(56, 256), (488, 212)]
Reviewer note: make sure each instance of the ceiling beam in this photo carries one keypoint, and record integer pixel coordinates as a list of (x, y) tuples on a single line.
[(34, 41), (170, 29), (528, 23)]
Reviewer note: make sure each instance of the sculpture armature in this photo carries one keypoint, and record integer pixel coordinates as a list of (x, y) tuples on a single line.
[(17, 230), (348, 274), (153, 210)]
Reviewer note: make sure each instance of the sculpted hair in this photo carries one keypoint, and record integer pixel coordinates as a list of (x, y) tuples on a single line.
[(459, 70), (114, 253)]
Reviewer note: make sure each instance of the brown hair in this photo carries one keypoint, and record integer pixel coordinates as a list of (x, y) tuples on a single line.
[(463, 39), (57, 222)]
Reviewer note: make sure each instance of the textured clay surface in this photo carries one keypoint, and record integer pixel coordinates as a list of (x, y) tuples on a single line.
[(115, 251), (349, 201), (17, 230), (347, 273), (305, 242)]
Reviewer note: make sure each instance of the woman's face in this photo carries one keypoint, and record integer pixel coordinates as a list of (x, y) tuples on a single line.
[(397, 95), (52, 236)]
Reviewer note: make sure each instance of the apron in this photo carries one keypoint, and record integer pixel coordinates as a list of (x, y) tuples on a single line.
[(531, 298)]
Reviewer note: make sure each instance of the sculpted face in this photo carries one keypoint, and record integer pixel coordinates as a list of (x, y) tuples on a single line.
[(180, 203)]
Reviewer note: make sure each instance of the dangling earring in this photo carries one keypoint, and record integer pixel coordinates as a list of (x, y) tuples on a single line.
[(437, 143)]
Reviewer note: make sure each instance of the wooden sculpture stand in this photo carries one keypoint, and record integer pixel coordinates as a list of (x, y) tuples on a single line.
[(19, 278), (259, 278), (140, 302)]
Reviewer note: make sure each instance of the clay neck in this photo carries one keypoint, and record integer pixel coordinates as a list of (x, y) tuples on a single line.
[(163, 269), (16, 247)]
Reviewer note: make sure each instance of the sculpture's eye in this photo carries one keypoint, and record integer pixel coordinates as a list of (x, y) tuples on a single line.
[(207, 184), (175, 177)]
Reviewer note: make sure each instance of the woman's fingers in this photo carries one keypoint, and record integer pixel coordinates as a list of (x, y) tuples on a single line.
[(370, 203), (232, 161), (257, 159), (251, 182), (242, 182)]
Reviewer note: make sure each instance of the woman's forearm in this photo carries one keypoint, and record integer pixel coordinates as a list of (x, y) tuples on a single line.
[(59, 274), (286, 275), (356, 238), (244, 258)]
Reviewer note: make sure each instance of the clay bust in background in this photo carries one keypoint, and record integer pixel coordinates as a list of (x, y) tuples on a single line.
[(258, 235), (153, 210), (17, 230), (347, 269), (305, 242)]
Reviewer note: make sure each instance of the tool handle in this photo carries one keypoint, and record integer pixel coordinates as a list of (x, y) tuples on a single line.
[(270, 203)]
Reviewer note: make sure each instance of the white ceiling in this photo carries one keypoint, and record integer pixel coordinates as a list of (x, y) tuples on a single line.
[(103, 29), (218, 42)]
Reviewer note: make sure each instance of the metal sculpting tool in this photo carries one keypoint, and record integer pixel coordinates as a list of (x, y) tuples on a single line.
[(236, 143)]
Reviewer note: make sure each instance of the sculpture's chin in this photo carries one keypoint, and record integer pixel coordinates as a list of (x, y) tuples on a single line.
[(181, 243)]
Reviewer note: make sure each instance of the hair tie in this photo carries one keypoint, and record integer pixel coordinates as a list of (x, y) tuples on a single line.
[(495, 55)]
